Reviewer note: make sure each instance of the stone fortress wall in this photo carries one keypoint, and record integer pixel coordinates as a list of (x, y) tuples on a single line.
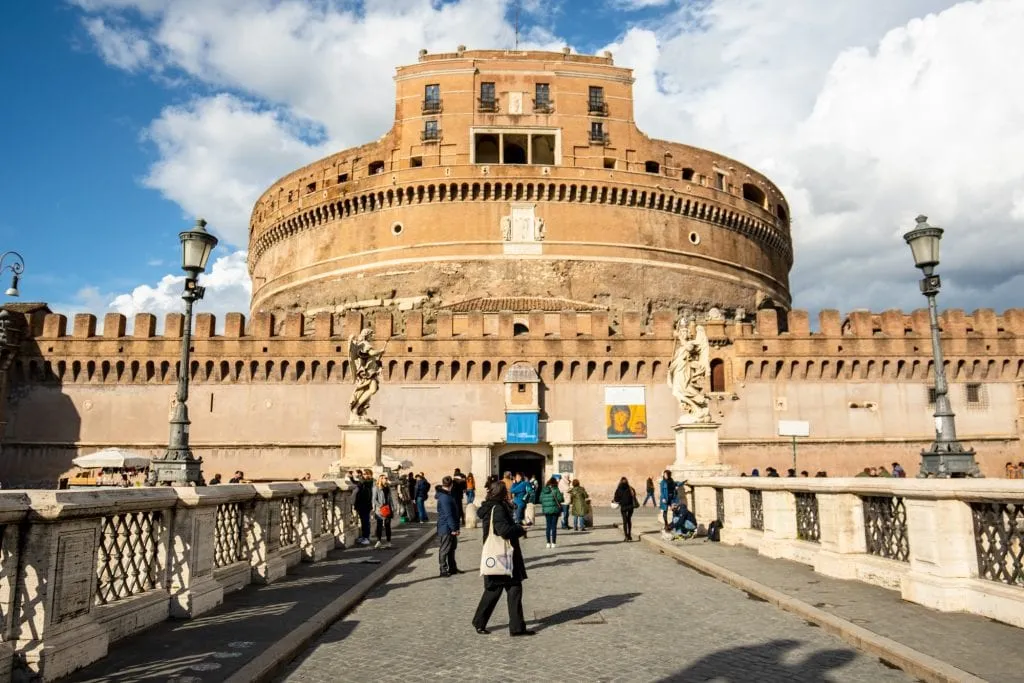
[(268, 393), (415, 218)]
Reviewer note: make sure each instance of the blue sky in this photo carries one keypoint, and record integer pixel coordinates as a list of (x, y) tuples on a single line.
[(125, 118)]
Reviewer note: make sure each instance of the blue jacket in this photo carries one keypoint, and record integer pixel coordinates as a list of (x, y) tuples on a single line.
[(447, 513), (667, 497), (422, 488), (519, 490)]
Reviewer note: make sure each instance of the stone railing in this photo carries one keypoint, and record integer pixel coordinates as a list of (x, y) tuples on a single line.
[(953, 545), (80, 569)]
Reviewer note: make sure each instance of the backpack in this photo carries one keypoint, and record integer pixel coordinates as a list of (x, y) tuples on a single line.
[(714, 531)]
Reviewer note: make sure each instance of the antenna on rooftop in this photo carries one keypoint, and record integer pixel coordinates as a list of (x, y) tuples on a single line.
[(517, 26)]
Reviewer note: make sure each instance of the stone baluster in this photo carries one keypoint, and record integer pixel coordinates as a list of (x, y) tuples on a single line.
[(314, 540), (779, 523), (841, 516), (737, 516), (268, 559)]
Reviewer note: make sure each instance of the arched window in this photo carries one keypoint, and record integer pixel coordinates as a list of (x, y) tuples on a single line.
[(520, 329), (717, 375), (376, 167)]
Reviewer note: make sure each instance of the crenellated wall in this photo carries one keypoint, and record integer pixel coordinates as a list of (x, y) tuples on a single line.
[(268, 391)]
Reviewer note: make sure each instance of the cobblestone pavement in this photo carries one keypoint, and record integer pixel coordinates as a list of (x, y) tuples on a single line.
[(988, 649), (604, 611)]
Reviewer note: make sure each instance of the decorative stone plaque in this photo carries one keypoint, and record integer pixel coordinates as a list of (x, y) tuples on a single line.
[(76, 567)]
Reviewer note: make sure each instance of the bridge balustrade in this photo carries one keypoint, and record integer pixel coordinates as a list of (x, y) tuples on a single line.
[(954, 545), (81, 569)]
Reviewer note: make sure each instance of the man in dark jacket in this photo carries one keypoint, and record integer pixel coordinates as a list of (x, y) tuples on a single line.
[(458, 490), (363, 504), (447, 527), (421, 493)]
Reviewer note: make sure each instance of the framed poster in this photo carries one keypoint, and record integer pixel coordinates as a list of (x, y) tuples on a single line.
[(625, 413)]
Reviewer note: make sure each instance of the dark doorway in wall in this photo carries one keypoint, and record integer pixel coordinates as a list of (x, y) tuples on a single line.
[(717, 375), (527, 462), (514, 151)]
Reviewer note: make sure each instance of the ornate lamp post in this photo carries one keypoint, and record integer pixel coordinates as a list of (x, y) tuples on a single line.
[(947, 457), (179, 466), (16, 268)]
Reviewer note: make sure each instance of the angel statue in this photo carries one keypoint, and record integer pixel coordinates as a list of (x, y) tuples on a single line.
[(366, 363), (688, 371)]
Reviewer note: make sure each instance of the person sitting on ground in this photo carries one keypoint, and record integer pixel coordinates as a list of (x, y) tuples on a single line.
[(684, 522)]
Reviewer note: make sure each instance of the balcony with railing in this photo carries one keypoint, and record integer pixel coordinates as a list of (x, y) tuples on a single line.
[(430, 135), (487, 104), (431, 106), (597, 108), (543, 106), (599, 137)]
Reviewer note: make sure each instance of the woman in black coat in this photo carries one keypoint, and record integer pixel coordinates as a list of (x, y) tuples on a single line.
[(497, 501), (625, 497)]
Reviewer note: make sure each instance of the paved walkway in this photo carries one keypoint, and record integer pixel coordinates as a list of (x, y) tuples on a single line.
[(217, 644), (605, 611), (988, 649)]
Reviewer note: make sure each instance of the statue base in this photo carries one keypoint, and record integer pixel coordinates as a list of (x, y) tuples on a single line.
[(697, 453), (360, 449)]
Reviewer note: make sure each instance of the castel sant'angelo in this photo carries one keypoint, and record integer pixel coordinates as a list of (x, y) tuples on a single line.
[(525, 252)]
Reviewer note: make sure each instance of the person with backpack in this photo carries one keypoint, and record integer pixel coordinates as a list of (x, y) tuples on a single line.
[(625, 498), (668, 496), (551, 505), (383, 511)]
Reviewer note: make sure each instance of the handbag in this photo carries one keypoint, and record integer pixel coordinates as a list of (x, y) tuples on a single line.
[(615, 506), (496, 556), (385, 511)]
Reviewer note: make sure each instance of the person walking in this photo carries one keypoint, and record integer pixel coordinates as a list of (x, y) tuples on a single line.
[(667, 496), (459, 488), (470, 488), (447, 528), (650, 493), (409, 489), (625, 498), (519, 491), (497, 510), (422, 491), (551, 506), (564, 485), (363, 503), (578, 505), (383, 511)]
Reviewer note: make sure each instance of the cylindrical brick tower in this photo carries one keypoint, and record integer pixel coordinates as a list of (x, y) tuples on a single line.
[(519, 175)]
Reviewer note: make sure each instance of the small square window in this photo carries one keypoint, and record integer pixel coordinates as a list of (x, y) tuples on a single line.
[(415, 162), (343, 177), (719, 181), (521, 388), (311, 188), (931, 396), (609, 163)]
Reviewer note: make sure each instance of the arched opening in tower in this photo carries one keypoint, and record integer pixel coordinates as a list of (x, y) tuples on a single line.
[(515, 149), (486, 149)]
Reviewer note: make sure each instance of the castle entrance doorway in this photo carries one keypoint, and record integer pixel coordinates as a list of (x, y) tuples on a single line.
[(529, 463)]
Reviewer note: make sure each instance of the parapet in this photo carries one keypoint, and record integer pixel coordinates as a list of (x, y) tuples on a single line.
[(767, 324)]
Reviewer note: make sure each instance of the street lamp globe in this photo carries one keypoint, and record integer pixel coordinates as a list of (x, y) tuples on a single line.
[(13, 289), (196, 245), (924, 244)]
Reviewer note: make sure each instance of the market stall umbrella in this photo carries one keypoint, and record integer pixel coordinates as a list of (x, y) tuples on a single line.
[(112, 457)]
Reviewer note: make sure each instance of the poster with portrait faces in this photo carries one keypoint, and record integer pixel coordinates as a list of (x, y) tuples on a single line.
[(625, 413)]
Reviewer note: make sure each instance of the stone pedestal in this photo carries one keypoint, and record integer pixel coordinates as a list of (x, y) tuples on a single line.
[(360, 449), (697, 452)]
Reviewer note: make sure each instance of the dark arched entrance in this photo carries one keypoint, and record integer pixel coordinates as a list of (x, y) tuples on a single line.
[(529, 463)]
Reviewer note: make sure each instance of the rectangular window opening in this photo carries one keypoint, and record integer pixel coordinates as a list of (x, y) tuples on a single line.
[(415, 162), (609, 163), (430, 130), (595, 101), (343, 177), (431, 98), (310, 188), (974, 394), (719, 181), (542, 98), (542, 149), (488, 102)]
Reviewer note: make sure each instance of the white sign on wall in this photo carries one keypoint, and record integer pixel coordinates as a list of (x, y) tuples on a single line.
[(794, 428)]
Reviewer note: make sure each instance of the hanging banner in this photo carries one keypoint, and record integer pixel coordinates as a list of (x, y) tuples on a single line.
[(625, 413), (521, 428)]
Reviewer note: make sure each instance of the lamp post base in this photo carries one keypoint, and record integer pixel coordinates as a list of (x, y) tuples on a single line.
[(187, 472), (949, 464)]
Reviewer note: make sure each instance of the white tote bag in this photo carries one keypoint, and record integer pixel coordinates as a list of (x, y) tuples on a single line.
[(496, 558)]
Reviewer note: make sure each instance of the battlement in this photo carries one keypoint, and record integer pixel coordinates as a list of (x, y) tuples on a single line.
[(983, 323)]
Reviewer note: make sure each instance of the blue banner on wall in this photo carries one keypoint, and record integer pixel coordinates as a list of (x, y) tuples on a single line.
[(521, 428)]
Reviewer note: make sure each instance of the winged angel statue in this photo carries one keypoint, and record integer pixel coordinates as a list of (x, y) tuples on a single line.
[(367, 365), (688, 372)]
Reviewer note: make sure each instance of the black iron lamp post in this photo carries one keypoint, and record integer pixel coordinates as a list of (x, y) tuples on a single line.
[(947, 457), (179, 467), (17, 267)]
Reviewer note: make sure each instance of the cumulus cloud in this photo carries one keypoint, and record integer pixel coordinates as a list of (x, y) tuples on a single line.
[(120, 47), (865, 113)]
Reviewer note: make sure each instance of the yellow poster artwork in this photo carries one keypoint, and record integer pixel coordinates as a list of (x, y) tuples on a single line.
[(625, 413)]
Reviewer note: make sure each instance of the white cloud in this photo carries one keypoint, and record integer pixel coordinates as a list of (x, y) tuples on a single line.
[(119, 47), (865, 113)]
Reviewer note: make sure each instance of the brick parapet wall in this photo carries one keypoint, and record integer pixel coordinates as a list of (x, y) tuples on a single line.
[(568, 346)]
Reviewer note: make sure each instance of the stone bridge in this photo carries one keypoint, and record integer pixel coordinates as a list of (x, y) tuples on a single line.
[(814, 580)]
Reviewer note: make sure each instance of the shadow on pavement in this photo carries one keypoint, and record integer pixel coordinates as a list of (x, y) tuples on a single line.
[(764, 664), (555, 562), (335, 634), (595, 605)]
